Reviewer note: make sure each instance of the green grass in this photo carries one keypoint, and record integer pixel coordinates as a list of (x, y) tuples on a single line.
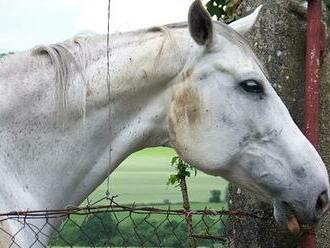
[(142, 178)]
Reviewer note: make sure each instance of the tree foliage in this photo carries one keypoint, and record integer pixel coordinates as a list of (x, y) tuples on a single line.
[(327, 4), (215, 196), (104, 230), (224, 10), (5, 54), (182, 170)]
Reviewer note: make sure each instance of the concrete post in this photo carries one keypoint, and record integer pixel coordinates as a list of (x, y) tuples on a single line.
[(279, 39), (323, 235)]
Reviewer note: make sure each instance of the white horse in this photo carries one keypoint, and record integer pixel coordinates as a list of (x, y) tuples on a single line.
[(197, 88)]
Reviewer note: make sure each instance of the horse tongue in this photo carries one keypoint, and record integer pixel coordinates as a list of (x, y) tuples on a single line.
[(293, 224)]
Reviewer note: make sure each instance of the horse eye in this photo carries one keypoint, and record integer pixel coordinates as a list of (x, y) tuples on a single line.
[(252, 86)]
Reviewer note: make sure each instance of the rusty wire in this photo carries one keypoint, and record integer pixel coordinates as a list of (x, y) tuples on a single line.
[(205, 230), (49, 214)]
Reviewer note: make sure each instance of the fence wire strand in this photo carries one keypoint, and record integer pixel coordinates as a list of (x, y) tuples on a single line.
[(115, 225), (109, 93)]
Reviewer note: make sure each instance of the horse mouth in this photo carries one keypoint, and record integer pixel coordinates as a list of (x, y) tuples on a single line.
[(286, 217), (293, 224)]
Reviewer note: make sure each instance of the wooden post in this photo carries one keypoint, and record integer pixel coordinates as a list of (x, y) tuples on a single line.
[(186, 207)]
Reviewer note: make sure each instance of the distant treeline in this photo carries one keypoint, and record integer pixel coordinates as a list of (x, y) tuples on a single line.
[(4, 54), (104, 229)]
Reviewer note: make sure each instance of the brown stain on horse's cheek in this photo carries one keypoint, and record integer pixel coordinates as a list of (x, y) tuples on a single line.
[(187, 104), (185, 112)]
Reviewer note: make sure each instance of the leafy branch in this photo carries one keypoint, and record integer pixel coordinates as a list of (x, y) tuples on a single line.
[(183, 170)]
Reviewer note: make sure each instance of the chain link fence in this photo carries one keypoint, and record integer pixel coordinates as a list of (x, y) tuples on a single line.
[(115, 225)]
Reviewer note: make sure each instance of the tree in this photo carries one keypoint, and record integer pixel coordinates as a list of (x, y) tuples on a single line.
[(215, 196), (99, 227), (223, 9), (327, 4)]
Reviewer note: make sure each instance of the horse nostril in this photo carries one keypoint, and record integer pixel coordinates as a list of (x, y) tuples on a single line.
[(322, 203)]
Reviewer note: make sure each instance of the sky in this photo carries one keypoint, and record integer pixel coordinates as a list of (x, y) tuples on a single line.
[(27, 23)]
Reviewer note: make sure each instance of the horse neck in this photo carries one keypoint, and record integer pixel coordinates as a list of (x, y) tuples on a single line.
[(143, 68)]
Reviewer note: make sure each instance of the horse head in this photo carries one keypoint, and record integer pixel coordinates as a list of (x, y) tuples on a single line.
[(227, 120)]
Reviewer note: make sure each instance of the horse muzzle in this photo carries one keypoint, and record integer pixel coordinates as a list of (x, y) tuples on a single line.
[(297, 215)]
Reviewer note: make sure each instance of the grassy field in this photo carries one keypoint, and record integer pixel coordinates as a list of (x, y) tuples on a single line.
[(98, 229), (142, 178)]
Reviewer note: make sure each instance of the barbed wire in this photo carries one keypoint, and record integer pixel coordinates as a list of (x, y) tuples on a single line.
[(42, 214), (124, 225)]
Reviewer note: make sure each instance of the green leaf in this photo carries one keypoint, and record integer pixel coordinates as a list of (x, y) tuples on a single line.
[(224, 2), (172, 179), (183, 170), (174, 159)]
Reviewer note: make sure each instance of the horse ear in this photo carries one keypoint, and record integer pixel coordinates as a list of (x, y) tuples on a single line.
[(200, 24), (246, 23)]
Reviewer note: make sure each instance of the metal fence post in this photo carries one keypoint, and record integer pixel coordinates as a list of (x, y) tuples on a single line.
[(312, 89)]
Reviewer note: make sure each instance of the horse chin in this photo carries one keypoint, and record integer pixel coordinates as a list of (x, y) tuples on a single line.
[(286, 217)]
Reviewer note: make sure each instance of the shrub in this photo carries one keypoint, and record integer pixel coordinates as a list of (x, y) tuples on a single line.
[(215, 196)]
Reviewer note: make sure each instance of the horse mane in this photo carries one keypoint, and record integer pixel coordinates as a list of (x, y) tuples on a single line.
[(72, 56), (66, 63)]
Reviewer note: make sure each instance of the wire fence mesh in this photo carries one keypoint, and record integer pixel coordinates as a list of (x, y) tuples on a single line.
[(115, 225)]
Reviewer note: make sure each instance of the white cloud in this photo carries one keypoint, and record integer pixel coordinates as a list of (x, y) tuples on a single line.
[(130, 15), (146, 13), (93, 16), (14, 41), (24, 24)]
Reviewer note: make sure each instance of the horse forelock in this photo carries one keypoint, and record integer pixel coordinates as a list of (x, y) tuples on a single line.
[(234, 37), (223, 30)]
